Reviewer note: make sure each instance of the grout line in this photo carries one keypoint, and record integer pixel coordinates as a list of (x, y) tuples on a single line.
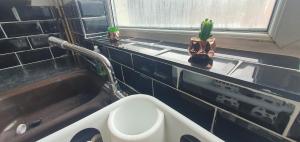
[(16, 14), (129, 86), (293, 118), (29, 36), (26, 50), (51, 52), (214, 120), (18, 58), (152, 82), (27, 21), (216, 107), (1, 28), (131, 59), (178, 71), (95, 17), (122, 73), (39, 24), (10, 67), (29, 42), (80, 18)]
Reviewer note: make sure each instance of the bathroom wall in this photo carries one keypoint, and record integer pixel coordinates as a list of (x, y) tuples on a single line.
[(232, 112), (23, 33)]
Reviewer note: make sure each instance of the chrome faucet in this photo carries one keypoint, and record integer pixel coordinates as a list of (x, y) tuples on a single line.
[(113, 83)]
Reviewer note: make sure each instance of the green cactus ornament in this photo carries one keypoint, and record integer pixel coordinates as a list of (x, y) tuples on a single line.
[(206, 28)]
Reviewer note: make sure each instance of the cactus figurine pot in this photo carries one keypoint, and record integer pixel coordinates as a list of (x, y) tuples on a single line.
[(113, 36), (200, 47)]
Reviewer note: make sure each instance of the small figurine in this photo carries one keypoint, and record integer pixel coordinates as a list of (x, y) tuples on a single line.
[(202, 48), (113, 34)]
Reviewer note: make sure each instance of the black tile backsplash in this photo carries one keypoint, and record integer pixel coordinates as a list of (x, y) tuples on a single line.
[(233, 129), (21, 29), (39, 41), (34, 13), (8, 60), (138, 81), (34, 55), (195, 110), (264, 75), (155, 69), (264, 110), (295, 129), (13, 45), (50, 26), (120, 56), (91, 8), (57, 51), (143, 65), (95, 25)]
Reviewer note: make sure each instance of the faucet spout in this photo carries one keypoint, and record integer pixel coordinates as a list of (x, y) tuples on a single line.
[(100, 58)]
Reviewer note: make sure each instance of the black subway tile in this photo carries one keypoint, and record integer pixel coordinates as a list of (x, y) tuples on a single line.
[(143, 65), (103, 50), (128, 90), (95, 25), (50, 26), (57, 51), (13, 45), (264, 110), (160, 71), (34, 13), (120, 56), (39, 41), (70, 9), (233, 129), (117, 70), (294, 131), (21, 29), (138, 81), (34, 55), (165, 73), (8, 60), (6, 12), (92, 8), (197, 111)]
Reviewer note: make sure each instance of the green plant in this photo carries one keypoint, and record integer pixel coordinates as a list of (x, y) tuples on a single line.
[(113, 29), (206, 28)]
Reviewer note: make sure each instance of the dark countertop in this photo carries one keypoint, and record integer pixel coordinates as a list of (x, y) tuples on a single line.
[(275, 74), (17, 76)]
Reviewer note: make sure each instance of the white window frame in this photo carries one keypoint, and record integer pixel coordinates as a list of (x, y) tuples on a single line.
[(267, 42)]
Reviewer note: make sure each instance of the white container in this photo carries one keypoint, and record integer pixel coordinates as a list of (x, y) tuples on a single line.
[(136, 118), (137, 121)]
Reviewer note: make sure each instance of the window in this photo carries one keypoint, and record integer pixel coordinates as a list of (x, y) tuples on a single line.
[(249, 15)]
